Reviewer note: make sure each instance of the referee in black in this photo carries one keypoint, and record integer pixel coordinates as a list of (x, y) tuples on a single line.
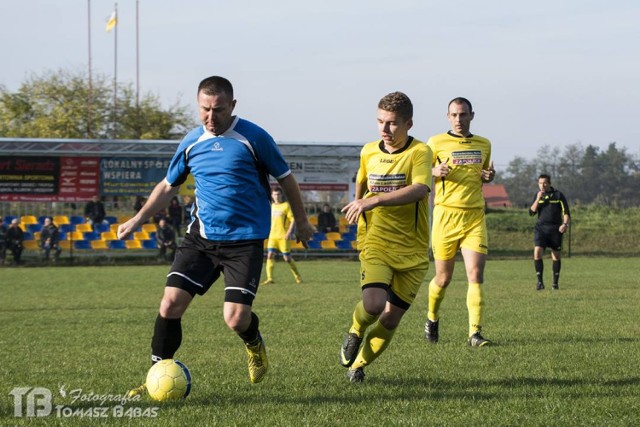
[(553, 221)]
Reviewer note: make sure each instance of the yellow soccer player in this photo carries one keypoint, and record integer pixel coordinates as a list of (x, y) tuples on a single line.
[(391, 208), (282, 228), (461, 163)]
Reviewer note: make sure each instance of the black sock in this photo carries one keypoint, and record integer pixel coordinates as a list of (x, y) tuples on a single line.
[(167, 337), (556, 271), (250, 336), (539, 269)]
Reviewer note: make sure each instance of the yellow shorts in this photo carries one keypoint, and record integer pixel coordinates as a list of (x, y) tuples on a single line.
[(402, 273), (453, 229), (280, 245)]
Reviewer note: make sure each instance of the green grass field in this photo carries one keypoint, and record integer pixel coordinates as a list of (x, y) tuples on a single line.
[(561, 358)]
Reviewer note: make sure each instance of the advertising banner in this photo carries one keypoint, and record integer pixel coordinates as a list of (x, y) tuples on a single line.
[(131, 176)]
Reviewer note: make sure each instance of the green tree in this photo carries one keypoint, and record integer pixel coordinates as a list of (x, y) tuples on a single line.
[(61, 104)]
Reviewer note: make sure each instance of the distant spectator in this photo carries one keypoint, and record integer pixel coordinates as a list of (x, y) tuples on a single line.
[(94, 212), (327, 220), (175, 215), (166, 238), (161, 214), (139, 203), (15, 237), (3, 241), (188, 205), (50, 240)]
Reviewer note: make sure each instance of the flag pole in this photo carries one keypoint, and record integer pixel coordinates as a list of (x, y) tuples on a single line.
[(90, 93), (115, 76), (138, 129)]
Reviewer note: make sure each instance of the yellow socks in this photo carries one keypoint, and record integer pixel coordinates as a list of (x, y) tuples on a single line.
[(376, 342), (436, 295), (294, 269), (361, 320), (270, 264), (475, 305)]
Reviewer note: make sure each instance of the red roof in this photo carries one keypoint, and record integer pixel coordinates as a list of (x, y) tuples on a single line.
[(495, 195)]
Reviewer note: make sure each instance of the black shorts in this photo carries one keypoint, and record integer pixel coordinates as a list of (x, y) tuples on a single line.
[(548, 236), (199, 262)]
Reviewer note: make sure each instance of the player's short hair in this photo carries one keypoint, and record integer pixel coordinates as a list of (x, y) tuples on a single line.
[(397, 102), (460, 100), (544, 176), (214, 85)]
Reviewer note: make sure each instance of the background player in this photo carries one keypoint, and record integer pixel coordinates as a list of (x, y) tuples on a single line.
[(553, 221), (282, 229), (391, 209), (461, 163)]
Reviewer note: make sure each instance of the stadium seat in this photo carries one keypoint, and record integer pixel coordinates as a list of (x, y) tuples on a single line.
[(62, 235), (152, 235), (354, 244), (333, 236), (114, 228), (348, 236), (61, 219), (28, 235), (122, 219), (8, 219), (150, 244), (31, 244), (111, 219), (41, 219), (99, 245), (343, 221), (353, 228), (36, 235), (328, 244), (319, 236), (344, 244), (297, 245), (76, 219), (92, 235), (117, 244), (65, 245), (34, 228), (313, 220), (28, 219), (82, 245), (108, 235), (149, 228), (314, 244), (141, 235), (65, 228), (133, 244), (84, 227), (75, 235), (101, 228)]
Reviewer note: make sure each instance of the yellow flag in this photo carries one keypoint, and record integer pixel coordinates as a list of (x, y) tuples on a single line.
[(112, 21)]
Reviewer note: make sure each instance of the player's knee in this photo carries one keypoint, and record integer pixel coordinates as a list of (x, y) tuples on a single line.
[(237, 320), (172, 308), (374, 308)]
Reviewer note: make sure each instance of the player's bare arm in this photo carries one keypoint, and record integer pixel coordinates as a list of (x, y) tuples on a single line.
[(489, 175), (409, 194), (304, 230), (158, 199)]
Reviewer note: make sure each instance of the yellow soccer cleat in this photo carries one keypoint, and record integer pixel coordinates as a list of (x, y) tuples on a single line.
[(137, 391), (298, 280), (268, 282), (258, 362)]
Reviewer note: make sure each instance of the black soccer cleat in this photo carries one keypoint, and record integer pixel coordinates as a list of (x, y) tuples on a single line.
[(476, 340), (539, 286), (555, 287), (431, 331), (349, 350), (356, 375)]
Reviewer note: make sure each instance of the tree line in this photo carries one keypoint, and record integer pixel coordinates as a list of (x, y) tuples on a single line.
[(586, 175)]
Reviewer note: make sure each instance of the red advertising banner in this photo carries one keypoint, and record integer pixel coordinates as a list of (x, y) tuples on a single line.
[(48, 179)]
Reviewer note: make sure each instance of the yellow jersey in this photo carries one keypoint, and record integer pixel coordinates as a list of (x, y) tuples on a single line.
[(403, 229), (466, 156), (281, 218)]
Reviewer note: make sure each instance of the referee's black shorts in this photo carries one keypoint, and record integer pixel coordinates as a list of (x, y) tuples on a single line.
[(548, 236), (199, 262)]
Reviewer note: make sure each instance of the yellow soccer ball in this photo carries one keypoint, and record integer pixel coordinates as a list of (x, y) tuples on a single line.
[(168, 379)]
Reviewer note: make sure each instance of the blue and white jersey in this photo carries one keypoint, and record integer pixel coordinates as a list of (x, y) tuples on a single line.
[(231, 203)]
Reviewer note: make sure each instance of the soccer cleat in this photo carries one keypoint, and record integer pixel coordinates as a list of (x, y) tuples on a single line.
[(555, 287), (356, 375), (137, 391), (298, 280), (539, 286), (476, 340), (268, 282), (258, 362), (431, 331), (349, 350)]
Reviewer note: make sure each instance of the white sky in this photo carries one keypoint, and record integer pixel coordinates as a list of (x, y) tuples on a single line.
[(550, 72)]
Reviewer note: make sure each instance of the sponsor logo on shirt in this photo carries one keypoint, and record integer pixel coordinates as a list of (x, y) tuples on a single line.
[(467, 157)]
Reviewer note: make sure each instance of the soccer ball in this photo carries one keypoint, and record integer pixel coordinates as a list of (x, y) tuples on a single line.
[(168, 379)]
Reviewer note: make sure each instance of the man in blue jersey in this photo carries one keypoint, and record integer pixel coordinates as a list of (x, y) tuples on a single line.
[(229, 159)]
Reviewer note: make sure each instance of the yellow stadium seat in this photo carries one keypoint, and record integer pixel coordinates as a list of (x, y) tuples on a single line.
[(65, 244), (354, 244), (133, 244), (149, 228), (61, 219), (108, 235), (31, 244), (141, 235), (122, 219), (84, 228), (313, 220), (75, 235), (114, 228), (334, 236), (343, 221), (36, 235), (28, 219), (297, 245), (99, 244), (328, 244)]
